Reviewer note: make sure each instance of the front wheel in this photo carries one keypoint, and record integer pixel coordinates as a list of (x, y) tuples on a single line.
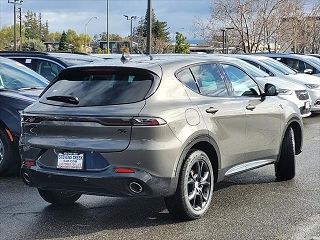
[(59, 197), (285, 166), (195, 187)]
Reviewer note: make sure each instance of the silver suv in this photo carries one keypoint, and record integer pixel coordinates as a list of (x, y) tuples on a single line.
[(170, 128)]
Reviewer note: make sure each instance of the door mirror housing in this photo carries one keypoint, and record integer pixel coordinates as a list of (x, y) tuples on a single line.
[(308, 71), (270, 90)]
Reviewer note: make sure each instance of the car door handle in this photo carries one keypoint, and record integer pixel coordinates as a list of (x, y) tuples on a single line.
[(212, 110), (250, 107)]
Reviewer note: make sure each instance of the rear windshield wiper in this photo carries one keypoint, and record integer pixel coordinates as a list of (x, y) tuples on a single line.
[(65, 99), (31, 88)]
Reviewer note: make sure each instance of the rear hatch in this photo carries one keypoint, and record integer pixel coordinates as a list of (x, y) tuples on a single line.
[(88, 109)]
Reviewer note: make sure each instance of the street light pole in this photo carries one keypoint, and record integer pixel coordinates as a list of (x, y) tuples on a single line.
[(86, 30), (15, 3), (223, 40), (131, 29), (227, 40), (149, 28), (107, 23)]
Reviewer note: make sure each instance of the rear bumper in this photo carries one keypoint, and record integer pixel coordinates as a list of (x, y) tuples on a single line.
[(105, 183)]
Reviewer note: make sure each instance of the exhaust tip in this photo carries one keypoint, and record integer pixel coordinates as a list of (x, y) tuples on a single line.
[(26, 178), (135, 187)]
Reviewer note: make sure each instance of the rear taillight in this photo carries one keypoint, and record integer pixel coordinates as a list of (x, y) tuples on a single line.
[(29, 163), (124, 170), (144, 121)]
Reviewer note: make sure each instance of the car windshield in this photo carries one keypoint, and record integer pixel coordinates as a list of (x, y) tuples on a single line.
[(250, 69), (314, 60), (99, 87), (15, 76), (278, 66)]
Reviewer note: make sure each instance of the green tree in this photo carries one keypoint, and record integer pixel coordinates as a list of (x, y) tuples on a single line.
[(181, 45), (160, 35), (54, 36), (35, 28), (63, 44), (6, 38), (33, 45)]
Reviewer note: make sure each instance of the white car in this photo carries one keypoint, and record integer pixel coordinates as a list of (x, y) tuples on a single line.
[(278, 69)]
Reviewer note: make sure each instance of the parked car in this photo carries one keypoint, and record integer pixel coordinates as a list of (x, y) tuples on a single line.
[(19, 87), (278, 69), (170, 128), (49, 64), (301, 63), (293, 92)]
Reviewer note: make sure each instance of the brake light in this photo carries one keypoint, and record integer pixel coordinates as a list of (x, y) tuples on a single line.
[(143, 121), (124, 170), (29, 163)]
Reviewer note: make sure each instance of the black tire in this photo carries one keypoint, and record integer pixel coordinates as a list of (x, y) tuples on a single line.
[(59, 197), (285, 167), (9, 157), (179, 204)]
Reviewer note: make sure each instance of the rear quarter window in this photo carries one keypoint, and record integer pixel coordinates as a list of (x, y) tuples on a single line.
[(100, 86)]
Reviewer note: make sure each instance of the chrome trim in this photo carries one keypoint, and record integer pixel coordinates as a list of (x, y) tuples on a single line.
[(248, 166)]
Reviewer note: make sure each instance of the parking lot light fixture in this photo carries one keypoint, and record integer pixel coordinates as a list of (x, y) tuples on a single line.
[(86, 29), (131, 19)]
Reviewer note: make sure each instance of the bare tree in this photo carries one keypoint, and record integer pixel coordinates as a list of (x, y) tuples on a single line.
[(260, 24)]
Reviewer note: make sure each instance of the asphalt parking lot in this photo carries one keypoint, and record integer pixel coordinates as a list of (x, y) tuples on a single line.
[(248, 206)]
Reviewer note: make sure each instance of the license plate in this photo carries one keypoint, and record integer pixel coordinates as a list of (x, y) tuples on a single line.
[(307, 105), (72, 161)]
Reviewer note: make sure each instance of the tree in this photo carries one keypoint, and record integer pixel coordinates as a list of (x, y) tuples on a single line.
[(256, 23), (181, 45), (34, 26), (6, 38), (160, 35), (63, 44), (33, 45)]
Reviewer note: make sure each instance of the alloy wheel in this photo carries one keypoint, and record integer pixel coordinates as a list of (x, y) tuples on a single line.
[(1, 151), (199, 185)]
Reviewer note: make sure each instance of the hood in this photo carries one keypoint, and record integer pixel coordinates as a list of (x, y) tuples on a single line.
[(303, 78), (280, 83), (23, 95)]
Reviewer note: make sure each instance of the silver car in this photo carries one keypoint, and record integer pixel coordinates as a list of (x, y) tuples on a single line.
[(170, 128), (278, 69)]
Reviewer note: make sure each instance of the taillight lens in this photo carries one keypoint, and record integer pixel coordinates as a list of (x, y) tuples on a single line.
[(144, 121), (29, 163), (124, 170)]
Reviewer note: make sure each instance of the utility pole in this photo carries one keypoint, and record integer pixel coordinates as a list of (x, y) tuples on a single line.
[(223, 40), (107, 25), (131, 29), (20, 28), (15, 3), (149, 28)]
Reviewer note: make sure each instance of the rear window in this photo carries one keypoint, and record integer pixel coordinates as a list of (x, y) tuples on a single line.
[(99, 87)]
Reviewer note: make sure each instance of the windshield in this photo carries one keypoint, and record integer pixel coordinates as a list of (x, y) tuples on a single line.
[(99, 87), (278, 66), (15, 76), (250, 69), (314, 60)]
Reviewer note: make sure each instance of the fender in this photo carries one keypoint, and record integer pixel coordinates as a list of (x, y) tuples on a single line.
[(10, 120), (296, 119), (191, 142)]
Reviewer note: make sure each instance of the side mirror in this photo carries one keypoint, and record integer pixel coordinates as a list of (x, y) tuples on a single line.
[(270, 90), (308, 71)]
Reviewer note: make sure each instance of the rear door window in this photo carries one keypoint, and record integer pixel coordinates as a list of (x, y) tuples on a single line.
[(99, 87), (209, 80), (185, 76)]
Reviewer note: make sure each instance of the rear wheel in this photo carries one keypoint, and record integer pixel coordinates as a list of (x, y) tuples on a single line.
[(195, 187), (285, 167), (59, 197), (9, 158)]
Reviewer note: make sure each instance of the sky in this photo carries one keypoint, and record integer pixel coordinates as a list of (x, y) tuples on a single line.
[(65, 14)]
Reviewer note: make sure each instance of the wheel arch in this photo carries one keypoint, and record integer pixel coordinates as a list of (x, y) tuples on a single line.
[(206, 144), (297, 127)]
